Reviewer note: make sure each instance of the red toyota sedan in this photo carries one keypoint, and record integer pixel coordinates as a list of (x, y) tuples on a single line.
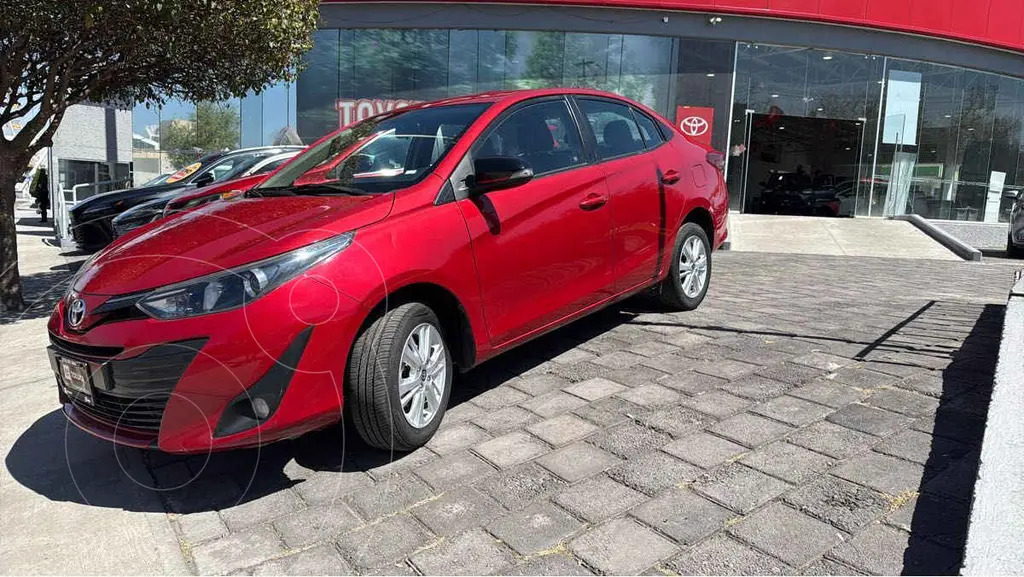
[(369, 269)]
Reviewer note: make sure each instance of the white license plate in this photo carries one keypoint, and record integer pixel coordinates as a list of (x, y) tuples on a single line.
[(75, 375)]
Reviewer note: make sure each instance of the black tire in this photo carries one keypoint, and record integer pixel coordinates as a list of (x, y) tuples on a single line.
[(1011, 250), (672, 293), (372, 398)]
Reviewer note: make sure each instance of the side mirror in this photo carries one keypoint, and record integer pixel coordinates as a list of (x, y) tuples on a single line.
[(1012, 194), (498, 172), (204, 180)]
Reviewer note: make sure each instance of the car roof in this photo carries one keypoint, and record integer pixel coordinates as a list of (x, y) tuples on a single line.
[(519, 95)]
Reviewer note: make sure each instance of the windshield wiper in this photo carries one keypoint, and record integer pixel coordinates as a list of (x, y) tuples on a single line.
[(311, 189)]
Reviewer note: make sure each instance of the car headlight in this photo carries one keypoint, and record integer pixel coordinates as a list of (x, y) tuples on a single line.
[(239, 286)]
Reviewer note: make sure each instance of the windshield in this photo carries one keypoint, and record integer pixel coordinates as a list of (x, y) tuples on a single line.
[(158, 180), (378, 155)]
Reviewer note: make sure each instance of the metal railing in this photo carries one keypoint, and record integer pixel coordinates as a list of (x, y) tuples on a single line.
[(69, 197)]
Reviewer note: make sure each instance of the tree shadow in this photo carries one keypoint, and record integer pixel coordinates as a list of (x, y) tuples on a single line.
[(41, 292), (55, 459), (942, 511)]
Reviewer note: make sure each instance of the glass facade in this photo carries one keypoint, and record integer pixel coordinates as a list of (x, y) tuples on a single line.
[(806, 130)]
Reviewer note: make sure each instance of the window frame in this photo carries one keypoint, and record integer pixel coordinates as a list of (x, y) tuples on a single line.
[(593, 137), (654, 124)]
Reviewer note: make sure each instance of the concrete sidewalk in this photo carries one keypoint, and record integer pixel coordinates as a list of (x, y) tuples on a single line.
[(52, 528)]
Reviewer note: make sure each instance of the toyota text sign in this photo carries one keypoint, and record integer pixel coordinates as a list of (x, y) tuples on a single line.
[(353, 110), (696, 122)]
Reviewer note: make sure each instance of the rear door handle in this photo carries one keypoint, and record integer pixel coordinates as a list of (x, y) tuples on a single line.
[(593, 201), (670, 177)]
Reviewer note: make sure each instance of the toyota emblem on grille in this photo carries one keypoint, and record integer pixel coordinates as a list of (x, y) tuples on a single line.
[(693, 126), (76, 312)]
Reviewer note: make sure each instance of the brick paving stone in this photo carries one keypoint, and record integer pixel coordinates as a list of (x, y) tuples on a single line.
[(957, 481), (562, 429), (457, 509), (621, 547), (450, 439), (652, 348), (750, 430), (726, 369), (905, 402), (201, 526), (790, 372), (740, 488), (536, 528), (593, 389), (923, 448), (386, 542), (881, 472), (573, 356), (511, 449), (551, 404), (721, 555), (671, 363), (704, 450), (579, 372), (578, 461), (791, 410), (718, 404), (460, 413), (883, 550), (605, 343), (685, 339), (787, 461), (630, 439), (504, 420), (471, 553), (261, 510), (653, 472), (683, 515), (618, 360), (634, 376), (540, 384), (787, 534), (829, 392), (499, 397), (868, 419), (935, 518), (952, 425), (330, 486), (841, 503), (389, 496), (651, 395), (691, 382), (608, 411), (323, 559), (598, 498), (831, 439), (553, 564), (250, 546), (316, 524), (398, 464), (762, 356), (453, 470), (863, 378), (756, 387), (518, 487), (829, 567), (677, 421), (822, 361)]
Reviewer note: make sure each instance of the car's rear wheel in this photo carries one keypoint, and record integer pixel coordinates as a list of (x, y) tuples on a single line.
[(1011, 250), (690, 275), (399, 378)]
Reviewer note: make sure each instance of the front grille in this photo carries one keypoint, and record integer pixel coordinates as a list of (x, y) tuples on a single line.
[(93, 353), (140, 386)]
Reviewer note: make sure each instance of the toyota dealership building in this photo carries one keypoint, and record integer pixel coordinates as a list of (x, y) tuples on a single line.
[(902, 105)]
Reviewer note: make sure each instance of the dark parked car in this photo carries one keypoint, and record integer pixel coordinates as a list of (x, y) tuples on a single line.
[(90, 221), (149, 211), (1015, 238)]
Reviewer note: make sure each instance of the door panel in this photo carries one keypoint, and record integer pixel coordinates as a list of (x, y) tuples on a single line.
[(539, 255)]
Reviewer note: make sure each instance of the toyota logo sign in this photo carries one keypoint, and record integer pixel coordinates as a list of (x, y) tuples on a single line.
[(693, 126), (76, 312)]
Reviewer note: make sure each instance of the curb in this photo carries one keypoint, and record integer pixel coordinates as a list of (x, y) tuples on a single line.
[(959, 247), (996, 528)]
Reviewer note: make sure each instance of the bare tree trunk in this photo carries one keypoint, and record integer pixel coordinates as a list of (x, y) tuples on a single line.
[(10, 279)]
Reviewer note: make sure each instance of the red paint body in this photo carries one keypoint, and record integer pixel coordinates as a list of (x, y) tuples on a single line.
[(520, 262), (998, 23)]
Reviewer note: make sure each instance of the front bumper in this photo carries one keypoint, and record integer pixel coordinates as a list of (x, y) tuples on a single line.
[(92, 234), (178, 385)]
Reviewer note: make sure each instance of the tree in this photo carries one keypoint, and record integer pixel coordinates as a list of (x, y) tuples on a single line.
[(209, 128), (56, 53)]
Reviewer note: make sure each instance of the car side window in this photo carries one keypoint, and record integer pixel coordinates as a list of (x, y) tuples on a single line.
[(652, 136), (616, 132), (543, 135)]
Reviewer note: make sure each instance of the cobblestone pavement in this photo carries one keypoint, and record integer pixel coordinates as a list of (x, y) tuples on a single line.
[(818, 415)]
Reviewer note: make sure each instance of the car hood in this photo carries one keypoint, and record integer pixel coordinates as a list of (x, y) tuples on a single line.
[(223, 235), (129, 196)]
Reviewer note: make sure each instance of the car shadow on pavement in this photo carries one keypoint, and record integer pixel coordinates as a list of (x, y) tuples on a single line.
[(55, 459), (942, 512)]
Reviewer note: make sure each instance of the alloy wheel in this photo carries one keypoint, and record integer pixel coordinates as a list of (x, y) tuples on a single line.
[(422, 374), (693, 267)]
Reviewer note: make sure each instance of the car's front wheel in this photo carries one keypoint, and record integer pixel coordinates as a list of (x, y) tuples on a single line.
[(690, 274), (399, 378)]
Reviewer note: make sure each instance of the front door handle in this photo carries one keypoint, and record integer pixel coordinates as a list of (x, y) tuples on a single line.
[(670, 177), (593, 201)]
